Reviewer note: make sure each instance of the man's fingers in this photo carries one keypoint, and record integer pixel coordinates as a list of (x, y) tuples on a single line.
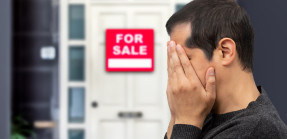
[(175, 63), (187, 66), (210, 83), (167, 47), (169, 68), (184, 61)]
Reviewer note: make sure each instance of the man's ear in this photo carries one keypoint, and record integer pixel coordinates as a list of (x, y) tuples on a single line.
[(227, 47)]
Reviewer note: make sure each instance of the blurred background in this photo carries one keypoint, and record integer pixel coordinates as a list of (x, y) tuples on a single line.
[(53, 83)]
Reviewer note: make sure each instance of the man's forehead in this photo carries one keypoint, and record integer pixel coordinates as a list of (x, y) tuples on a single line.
[(180, 33)]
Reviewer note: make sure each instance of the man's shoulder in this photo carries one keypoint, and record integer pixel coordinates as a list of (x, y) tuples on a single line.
[(264, 115), (270, 125), (256, 125), (264, 121)]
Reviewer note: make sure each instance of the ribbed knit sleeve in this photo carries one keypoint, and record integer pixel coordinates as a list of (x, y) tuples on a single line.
[(182, 131)]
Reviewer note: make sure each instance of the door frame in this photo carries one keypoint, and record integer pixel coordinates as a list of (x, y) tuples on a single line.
[(64, 44)]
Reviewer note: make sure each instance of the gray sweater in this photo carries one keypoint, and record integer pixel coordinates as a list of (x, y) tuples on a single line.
[(259, 120)]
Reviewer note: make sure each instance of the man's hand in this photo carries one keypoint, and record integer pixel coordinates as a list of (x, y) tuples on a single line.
[(188, 100)]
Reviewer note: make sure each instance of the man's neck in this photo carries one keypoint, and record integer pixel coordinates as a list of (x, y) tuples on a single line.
[(235, 92)]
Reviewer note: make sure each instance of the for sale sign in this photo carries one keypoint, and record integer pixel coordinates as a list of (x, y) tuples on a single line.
[(129, 49)]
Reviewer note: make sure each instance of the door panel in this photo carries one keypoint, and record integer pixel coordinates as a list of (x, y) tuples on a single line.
[(146, 88), (112, 130), (110, 20), (147, 129), (150, 20), (111, 87)]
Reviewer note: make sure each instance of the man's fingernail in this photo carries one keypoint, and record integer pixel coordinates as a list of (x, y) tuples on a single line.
[(178, 47), (171, 44), (211, 72)]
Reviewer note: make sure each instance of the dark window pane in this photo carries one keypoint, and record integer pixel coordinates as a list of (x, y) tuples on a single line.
[(76, 22), (76, 105), (76, 134), (179, 6), (76, 63)]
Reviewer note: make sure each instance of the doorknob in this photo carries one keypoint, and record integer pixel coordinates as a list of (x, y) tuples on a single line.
[(130, 114), (95, 104)]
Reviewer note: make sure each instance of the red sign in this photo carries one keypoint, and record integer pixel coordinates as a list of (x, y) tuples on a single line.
[(129, 49)]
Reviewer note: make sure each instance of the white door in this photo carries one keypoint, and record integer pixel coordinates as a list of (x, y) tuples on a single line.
[(127, 105)]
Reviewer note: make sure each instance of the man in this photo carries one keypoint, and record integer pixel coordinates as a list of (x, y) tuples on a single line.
[(211, 91)]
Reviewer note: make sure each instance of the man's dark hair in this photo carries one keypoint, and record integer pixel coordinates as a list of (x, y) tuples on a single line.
[(212, 20)]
